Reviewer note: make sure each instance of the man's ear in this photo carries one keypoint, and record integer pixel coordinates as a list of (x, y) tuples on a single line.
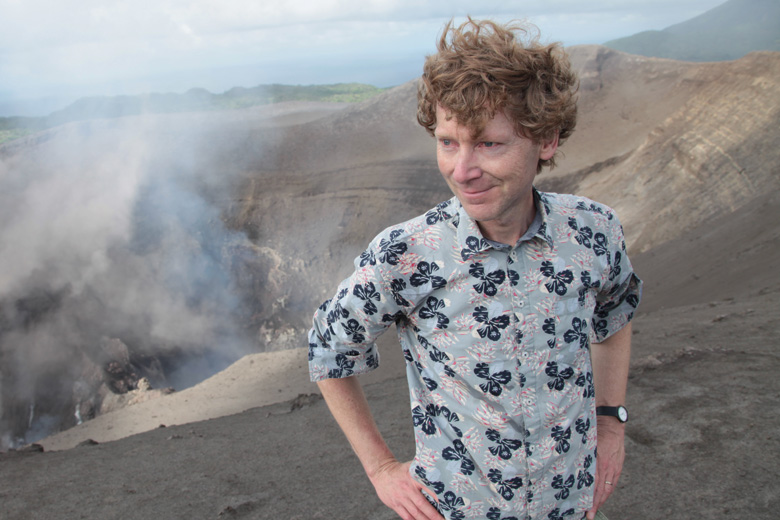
[(548, 148)]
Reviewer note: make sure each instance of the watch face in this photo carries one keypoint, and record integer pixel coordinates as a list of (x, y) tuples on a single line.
[(622, 414)]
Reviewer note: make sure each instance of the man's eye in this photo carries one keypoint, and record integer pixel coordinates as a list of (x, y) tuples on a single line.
[(488, 144), (446, 142)]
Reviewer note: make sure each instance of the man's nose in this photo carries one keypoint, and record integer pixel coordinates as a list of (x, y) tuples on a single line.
[(466, 167)]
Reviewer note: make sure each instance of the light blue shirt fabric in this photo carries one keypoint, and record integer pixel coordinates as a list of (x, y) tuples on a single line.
[(496, 340)]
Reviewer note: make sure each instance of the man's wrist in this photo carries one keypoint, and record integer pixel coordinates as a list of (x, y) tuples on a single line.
[(377, 468), (618, 412), (607, 425)]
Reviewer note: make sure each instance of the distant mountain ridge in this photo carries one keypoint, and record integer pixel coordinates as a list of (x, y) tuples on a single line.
[(726, 32), (194, 100)]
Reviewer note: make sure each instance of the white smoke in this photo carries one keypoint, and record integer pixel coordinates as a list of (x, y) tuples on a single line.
[(107, 231)]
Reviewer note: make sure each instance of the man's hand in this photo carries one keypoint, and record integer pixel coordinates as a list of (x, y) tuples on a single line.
[(401, 493), (391, 479), (609, 461)]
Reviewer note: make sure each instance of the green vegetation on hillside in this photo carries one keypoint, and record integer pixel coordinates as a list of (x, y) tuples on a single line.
[(339, 93), (726, 32), (194, 100), (15, 127), (10, 135)]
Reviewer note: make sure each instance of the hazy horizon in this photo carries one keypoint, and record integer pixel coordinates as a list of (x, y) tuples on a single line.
[(100, 48)]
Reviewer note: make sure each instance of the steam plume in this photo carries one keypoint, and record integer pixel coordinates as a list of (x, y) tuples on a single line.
[(109, 232)]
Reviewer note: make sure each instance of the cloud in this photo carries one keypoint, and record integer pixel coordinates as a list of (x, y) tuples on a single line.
[(114, 47)]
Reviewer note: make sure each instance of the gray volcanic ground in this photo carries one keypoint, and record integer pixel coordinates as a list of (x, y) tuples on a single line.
[(135, 247)]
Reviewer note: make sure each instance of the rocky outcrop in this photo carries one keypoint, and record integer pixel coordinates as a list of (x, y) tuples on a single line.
[(142, 392), (97, 381)]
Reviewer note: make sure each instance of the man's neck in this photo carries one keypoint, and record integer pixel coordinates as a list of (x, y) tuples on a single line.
[(510, 232)]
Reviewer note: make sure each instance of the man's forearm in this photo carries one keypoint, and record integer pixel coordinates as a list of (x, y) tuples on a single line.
[(391, 479), (349, 407), (610, 360)]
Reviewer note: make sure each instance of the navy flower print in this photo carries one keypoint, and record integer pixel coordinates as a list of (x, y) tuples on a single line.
[(600, 328), (345, 366), (586, 381), (494, 382), (438, 213), (437, 486), (584, 233), (429, 383), (396, 286), (556, 514), (355, 330), (614, 269), (561, 438), (492, 326), (600, 245), (596, 209), (582, 426), (336, 314), (558, 378), (563, 486), (473, 246), (390, 250), (457, 452), (367, 258), (367, 293), (507, 486), (450, 502), (489, 283), (424, 419), (587, 285), (425, 275), (549, 328), (432, 309), (494, 513), (505, 447), (584, 477), (558, 281), (577, 333)]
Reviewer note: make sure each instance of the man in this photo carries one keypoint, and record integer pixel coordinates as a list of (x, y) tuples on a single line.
[(496, 295)]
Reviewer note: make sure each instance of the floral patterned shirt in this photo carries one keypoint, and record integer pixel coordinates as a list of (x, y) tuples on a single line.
[(496, 341)]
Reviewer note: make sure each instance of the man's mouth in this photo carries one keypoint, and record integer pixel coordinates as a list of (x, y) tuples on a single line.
[(474, 193)]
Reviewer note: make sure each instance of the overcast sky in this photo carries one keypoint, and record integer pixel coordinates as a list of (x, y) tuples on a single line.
[(68, 49)]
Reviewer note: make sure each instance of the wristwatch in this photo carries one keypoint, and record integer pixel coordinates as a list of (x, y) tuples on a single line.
[(615, 411)]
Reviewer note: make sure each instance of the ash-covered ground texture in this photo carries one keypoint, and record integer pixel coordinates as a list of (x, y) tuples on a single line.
[(132, 246)]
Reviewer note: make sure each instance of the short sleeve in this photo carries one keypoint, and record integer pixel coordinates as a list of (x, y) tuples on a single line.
[(342, 340), (620, 294)]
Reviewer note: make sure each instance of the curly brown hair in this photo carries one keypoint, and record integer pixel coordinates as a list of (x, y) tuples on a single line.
[(483, 67)]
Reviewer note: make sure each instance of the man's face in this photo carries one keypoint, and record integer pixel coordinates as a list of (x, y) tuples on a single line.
[(492, 174)]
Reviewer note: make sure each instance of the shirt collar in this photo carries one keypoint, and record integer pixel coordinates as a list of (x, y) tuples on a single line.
[(471, 241), (543, 209)]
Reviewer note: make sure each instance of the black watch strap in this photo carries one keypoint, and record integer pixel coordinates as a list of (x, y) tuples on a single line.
[(619, 412)]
